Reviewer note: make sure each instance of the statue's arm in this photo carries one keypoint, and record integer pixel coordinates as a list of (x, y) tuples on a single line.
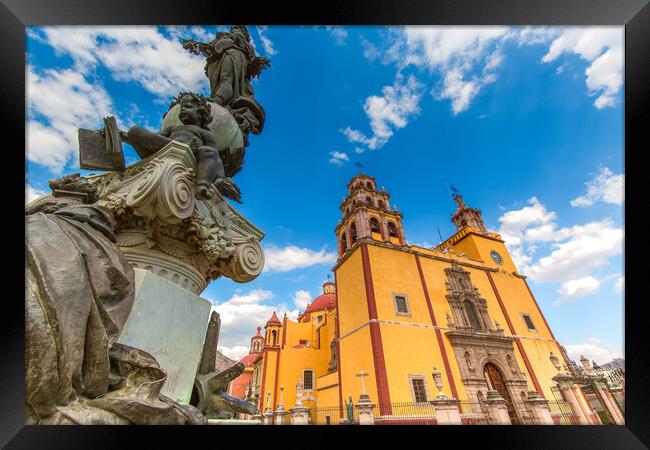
[(198, 48)]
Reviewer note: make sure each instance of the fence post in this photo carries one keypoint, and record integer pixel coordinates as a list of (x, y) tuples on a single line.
[(446, 409), (538, 407), (365, 408), (497, 408), (299, 415), (566, 383)]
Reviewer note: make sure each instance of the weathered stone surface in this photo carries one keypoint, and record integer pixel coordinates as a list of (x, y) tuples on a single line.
[(161, 227), (224, 129), (79, 292), (168, 322)]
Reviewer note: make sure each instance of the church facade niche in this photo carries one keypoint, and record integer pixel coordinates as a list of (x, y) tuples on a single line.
[(479, 346)]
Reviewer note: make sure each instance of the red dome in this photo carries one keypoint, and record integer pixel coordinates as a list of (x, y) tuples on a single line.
[(322, 302)]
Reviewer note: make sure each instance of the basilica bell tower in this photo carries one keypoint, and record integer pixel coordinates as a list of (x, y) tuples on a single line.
[(367, 215)]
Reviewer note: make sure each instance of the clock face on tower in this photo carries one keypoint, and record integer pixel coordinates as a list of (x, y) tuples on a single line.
[(496, 257)]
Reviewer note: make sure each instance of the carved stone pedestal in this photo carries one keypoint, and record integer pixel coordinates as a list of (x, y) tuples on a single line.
[(497, 409), (163, 228), (299, 415), (268, 417), (365, 408), (281, 416), (446, 410), (538, 407)]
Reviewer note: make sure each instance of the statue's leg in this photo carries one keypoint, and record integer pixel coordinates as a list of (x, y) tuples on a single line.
[(146, 142), (210, 168)]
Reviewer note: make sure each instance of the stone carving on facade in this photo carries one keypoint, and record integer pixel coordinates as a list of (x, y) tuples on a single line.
[(476, 342), (469, 309)]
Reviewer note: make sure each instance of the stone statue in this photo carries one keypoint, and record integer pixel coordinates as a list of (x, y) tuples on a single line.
[(213, 400), (210, 384), (194, 116), (349, 406), (78, 294), (231, 63)]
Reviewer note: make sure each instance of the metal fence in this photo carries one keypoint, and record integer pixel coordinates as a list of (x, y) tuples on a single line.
[(329, 416), (405, 413), (471, 413)]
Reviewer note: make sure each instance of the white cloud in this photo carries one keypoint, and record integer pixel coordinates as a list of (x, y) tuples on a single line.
[(291, 257), (338, 158), (32, 194), (458, 90), (515, 222), (266, 42), (370, 51), (533, 35), (141, 55), (392, 110), (236, 352), (199, 33), (594, 350), (574, 251), (579, 287), (61, 102), (339, 34), (606, 186), (588, 247), (241, 315), (301, 299), (466, 57), (603, 48), (620, 284)]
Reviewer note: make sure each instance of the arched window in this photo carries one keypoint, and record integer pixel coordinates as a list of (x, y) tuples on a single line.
[(369, 184), (471, 315), (344, 243), (374, 225), (353, 232), (369, 200), (274, 337), (392, 229), (380, 204)]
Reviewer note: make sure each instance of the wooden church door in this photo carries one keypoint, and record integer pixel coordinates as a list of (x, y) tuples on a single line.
[(495, 382)]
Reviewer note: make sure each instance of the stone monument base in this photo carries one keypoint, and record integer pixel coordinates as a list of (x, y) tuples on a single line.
[(168, 322)]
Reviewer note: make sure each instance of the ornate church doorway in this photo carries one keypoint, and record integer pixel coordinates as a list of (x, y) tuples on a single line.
[(495, 382)]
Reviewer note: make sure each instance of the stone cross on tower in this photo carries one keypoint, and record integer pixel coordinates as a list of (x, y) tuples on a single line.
[(363, 374)]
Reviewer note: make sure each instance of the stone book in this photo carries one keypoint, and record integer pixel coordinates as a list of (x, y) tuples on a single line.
[(101, 149)]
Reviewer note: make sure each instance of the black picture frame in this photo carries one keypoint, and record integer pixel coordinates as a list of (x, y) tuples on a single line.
[(633, 14)]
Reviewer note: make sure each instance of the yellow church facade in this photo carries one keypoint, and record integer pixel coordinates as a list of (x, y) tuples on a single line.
[(402, 313)]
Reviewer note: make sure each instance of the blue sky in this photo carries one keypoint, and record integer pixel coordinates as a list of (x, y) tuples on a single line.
[(526, 122)]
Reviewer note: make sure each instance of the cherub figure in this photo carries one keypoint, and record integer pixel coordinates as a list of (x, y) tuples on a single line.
[(195, 116)]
